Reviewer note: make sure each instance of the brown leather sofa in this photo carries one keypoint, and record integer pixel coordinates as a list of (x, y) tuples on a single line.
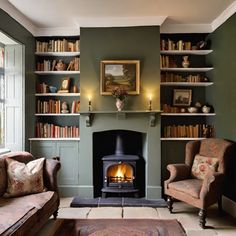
[(25, 215)]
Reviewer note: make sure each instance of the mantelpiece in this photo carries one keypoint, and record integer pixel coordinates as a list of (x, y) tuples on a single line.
[(121, 115)]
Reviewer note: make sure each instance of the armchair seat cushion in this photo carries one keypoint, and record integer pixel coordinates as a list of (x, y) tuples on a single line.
[(190, 187)]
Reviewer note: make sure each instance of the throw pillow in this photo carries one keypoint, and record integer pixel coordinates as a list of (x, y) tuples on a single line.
[(202, 165), (24, 178)]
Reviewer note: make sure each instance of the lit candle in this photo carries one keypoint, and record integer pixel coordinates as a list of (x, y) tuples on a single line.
[(150, 102), (90, 103)]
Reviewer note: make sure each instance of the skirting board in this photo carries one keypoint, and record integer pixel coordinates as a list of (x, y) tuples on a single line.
[(229, 206)]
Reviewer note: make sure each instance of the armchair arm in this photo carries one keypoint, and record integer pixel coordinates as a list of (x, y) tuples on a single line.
[(178, 172), (212, 184), (51, 168)]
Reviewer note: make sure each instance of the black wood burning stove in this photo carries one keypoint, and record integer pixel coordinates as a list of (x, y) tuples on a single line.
[(119, 172)]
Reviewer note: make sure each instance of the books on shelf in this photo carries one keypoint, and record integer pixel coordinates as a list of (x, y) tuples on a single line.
[(55, 106), (59, 45), (171, 77), (167, 62), (179, 45), (188, 131), (50, 65), (46, 130)]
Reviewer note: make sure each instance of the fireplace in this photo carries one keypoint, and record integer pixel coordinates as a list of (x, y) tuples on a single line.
[(121, 168), (139, 139), (119, 172)]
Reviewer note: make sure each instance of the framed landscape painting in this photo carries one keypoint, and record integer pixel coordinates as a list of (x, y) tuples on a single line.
[(123, 74), (182, 97)]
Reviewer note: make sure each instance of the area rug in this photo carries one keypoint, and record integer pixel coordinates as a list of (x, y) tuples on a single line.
[(120, 227), (116, 202)]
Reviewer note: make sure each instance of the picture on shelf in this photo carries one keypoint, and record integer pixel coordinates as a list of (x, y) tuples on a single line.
[(182, 97), (65, 85), (120, 73)]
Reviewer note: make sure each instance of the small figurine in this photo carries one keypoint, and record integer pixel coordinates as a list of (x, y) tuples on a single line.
[(60, 65), (64, 107), (185, 62)]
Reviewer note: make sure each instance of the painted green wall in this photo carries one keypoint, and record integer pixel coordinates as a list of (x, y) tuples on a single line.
[(16, 31), (222, 94), (127, 43)]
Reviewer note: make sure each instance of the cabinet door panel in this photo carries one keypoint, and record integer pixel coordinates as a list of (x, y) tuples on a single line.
[(68, 153), (45, 149)]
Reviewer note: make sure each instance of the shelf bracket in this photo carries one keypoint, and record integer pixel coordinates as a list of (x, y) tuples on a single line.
[(88, 119), (152, 119)]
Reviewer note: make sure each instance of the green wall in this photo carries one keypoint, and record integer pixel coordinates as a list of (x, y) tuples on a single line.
[(16, 31), (127, 43), (222, 94)]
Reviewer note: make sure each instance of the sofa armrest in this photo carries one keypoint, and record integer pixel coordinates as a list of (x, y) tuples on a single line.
[(177, 172), (51, 167), (212, 184)]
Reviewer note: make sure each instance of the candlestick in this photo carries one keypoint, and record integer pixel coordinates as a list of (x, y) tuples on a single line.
[(89, 103), (150, 103)]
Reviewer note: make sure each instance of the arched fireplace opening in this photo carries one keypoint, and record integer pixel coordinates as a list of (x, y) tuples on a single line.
[(118, 163)]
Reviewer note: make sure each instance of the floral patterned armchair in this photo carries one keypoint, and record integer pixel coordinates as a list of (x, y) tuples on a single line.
[(199, 181)]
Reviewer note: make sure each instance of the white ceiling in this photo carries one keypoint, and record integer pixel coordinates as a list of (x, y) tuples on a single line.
[(72, 14)]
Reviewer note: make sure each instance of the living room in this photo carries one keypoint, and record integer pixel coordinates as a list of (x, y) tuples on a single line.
[(133, 37)]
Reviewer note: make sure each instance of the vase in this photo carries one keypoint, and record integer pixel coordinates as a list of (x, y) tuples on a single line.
[(120, 104), (185, 62)]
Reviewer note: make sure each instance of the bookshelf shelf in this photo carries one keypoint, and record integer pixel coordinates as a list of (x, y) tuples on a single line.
[(54, 139), (178, 69), (186, 52), (180, 139), (57, 94), (57, 114), (57, 54), (63, 72), (188, 114), (195, 84)]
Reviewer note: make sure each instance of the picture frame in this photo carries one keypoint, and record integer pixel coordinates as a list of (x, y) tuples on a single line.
[(65, 84), (182, 97), (123, 74)]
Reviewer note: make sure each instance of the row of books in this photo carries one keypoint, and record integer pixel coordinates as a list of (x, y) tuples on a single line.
[(171, 77), (55, 106), (59, 45), (167, 62), (166, 108), (179, 45), (188, 131), (42, 88), (46, 130), (51, 65)]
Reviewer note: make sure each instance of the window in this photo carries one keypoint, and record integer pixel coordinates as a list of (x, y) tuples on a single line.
[(11, 94), (2, 114)]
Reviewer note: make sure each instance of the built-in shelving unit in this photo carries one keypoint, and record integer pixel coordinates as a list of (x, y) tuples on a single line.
[(183, 69), (57, 113)]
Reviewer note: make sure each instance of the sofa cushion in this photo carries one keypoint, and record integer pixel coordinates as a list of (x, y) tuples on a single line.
[(23, 208), (24, 178), (202, 165), (190, 187), (3, 177)]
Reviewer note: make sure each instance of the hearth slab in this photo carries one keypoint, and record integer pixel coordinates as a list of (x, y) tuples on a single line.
[(116, 202)]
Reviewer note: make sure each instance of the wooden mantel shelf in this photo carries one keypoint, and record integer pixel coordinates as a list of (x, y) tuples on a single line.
[(121, 115)]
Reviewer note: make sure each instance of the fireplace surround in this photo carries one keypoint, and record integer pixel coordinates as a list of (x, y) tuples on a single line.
[(149, 151)]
